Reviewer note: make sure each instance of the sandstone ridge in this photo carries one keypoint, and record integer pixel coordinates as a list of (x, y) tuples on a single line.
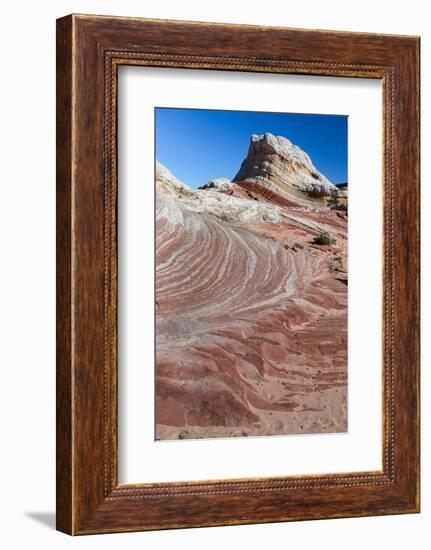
[(173, 197), (275, 164)]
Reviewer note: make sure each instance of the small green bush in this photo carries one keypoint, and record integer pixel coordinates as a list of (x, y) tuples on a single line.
[(324, 238)]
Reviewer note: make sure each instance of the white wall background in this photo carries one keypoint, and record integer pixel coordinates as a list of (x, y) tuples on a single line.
[(27, 297)]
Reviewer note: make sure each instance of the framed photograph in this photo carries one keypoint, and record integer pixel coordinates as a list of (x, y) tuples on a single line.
[(237, 274)]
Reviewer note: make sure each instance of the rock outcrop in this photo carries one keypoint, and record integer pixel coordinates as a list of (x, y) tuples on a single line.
[(343, 189), (275, 164), (168, 184), (251, 315), (173, 197), (219, 184)]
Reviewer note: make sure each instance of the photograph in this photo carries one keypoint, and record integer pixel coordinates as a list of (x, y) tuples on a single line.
[(251, 273)]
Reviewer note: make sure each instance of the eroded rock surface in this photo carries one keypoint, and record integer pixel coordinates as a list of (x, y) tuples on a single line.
[(275, 163), (219, 184), (251, 315)]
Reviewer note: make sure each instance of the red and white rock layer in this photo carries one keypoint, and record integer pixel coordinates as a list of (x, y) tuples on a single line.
[(251, 316)]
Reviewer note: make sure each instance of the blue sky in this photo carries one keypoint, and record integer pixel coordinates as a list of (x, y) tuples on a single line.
[(199, 145)]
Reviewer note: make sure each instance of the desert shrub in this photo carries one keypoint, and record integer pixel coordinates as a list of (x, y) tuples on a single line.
[(324, 238)]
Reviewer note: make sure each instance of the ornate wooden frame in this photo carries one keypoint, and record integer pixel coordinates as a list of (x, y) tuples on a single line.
[(89, 51)]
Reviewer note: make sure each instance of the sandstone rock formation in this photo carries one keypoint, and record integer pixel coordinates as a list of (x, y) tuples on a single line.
[(219, 184), (251, 316), (231, 208), (275, 163), (168, 184)]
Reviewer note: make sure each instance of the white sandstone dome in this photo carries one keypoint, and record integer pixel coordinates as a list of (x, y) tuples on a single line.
[(277, 164)]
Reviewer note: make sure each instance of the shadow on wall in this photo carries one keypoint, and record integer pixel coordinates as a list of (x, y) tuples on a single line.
[(45, 518)]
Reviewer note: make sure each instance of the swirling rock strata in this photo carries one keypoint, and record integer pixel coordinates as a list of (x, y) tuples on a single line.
[(251, 316)]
